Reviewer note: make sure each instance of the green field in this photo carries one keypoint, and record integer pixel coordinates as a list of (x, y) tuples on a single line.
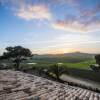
[(70, 62), (80, 65)]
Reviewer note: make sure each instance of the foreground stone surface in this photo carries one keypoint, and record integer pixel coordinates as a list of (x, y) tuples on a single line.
[(15, 85)]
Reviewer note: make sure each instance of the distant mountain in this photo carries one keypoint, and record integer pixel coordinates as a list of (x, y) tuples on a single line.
[(73, 54), (74, 57), (79, 54)]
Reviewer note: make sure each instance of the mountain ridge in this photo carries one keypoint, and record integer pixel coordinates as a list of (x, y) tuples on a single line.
[(72, 54)]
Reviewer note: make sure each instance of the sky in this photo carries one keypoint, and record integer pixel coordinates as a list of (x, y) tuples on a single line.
[(50, 26)]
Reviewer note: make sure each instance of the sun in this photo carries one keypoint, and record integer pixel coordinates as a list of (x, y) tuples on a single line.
[(66, 50)]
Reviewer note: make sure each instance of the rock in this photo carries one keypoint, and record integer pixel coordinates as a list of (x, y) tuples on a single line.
[(15, 85)]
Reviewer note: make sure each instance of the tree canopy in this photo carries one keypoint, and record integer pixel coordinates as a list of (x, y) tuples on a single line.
[(16, 54), (58, 70), (97, 57)]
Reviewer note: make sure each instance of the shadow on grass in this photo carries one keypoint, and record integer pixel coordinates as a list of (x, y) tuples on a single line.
[(86, 74)]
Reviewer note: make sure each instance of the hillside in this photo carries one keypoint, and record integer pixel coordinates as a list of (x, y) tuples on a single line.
[(74, 57), (79, 54), (73, 54)]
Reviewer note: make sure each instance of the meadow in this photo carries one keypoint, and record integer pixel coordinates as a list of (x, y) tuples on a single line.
[(81, 65), (74, 61)]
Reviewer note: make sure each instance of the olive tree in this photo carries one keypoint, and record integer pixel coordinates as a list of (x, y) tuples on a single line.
[(16, 54), (58, 70)]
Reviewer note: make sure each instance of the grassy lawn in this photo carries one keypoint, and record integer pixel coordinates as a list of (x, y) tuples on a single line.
[(80, 65)]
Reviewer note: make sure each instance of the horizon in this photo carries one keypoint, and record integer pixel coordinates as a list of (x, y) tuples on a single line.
[(51, 26), (60, 53)]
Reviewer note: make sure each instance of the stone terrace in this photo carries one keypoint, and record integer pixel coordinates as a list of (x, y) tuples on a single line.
[(15, 85)]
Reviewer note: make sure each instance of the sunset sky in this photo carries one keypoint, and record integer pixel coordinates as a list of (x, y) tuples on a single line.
[(51, 26)]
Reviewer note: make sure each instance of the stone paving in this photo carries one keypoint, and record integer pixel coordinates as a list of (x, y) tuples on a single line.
[(15, 85)]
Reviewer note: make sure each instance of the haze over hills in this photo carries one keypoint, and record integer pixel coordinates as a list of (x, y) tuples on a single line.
[(74, 57), (73, 54), (79, 54)]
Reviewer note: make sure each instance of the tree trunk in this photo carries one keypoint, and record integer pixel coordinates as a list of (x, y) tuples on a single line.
[(17, 65), (17, 62), (57, 75)]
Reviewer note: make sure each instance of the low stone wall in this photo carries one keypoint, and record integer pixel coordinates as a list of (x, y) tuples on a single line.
[(15, 85)]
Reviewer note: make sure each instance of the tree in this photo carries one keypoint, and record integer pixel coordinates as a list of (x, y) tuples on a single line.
[(97, 57), (16, 54), (57, 70)]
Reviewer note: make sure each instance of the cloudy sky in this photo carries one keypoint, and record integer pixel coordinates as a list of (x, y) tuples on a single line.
[(51, 26)]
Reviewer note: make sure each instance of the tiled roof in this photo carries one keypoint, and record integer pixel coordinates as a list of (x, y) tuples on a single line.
[(15, 85)]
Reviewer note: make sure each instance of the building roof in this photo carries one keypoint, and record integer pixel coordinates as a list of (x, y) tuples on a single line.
[(15, 85)]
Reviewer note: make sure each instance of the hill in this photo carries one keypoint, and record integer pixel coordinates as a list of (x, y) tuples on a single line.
[(79, 54), (73, 54), (66, 57)]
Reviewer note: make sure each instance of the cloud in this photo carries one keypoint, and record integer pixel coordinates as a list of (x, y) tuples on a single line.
[(68, 15), (76, 26), (67, 26), (85, 8), (30, 12), (84, 16)]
